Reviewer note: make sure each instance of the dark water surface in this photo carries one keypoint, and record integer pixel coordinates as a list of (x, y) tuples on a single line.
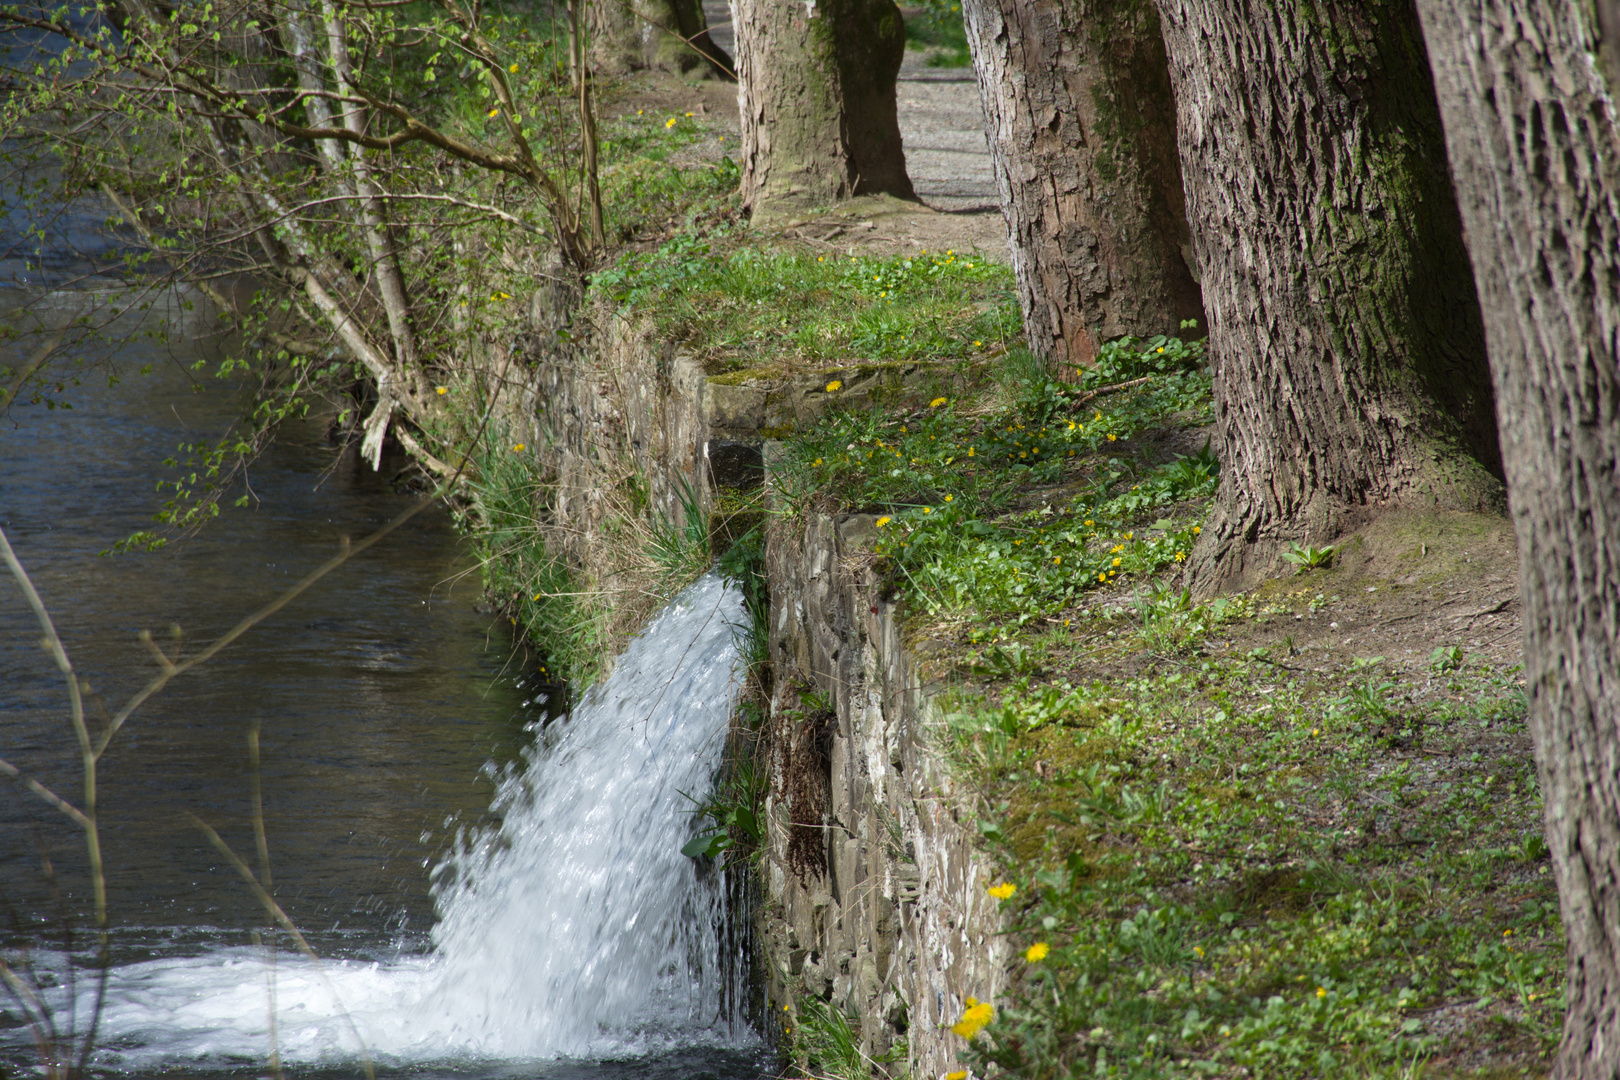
[(382, 696)]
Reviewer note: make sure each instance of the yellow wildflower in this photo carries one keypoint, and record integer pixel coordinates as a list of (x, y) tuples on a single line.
[(976, 344), (816, 462), (670, 122), (1321, 991), (974, 1018), (1056, 559), (1111, 437), (1090, 522), (884, 520), (970, 451), (689, 114), (1117, 561), (1161, 347), (1037, 952), (959, 1074), (513, 69), (441, 390), (928, 509), (835, 386), (1197, 529), (950, 498), (1102, 577), (493, 113), (518, 447), (936, 403), (1003, 891)]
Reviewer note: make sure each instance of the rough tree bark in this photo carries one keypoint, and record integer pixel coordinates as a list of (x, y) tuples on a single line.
[(816, 90), (667, 35), (1345, 333), (1081, 125), (1530, 127)]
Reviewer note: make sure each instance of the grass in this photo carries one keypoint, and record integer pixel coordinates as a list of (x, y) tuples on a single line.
[(748, 305)]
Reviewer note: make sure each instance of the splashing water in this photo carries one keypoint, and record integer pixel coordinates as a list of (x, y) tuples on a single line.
[(575, 929)]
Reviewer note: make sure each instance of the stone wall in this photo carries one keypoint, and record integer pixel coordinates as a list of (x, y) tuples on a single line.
[(894, 926), (898, 928)]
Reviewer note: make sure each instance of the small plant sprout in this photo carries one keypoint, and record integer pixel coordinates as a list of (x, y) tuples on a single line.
[(1309, 558)]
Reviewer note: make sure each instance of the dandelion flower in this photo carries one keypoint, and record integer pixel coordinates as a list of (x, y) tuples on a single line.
[(928, 509), (970, 451), (835, 386), (493, 113), (1197, 529), (959, 1074), (518, 447), (936, 403), (974, 1018), (441, 390), (1037, 952), (689, 114), (977, 344), (1321, 991), (950, 498), (513, 69), (1002, 891), (670, 122), (1056, 559), (816, 462), (1161, 347), (884, 520)]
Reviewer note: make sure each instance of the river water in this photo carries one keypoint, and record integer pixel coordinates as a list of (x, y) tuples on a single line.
[(567, 938)]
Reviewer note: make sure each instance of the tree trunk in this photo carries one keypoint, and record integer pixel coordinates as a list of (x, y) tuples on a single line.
[(1345, 332), (1530, 130), (668, 35), (816, 83), (1081, 121)]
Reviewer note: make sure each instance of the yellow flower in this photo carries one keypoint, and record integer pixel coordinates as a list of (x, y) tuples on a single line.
[(819, 258), (1037, 952), (1316, 731), (1003, 891), (1111, 437), (1117, 561), (1197, 529), (1181, 556), (1198, 949), (1102, 577), (835, 386), (950, 498), (1161, 348), (928, 509), (936, 403), (816, 462), (884, 520), (513, 70), (970, 451), (538, 595), (1090, 522), (518, 447), (959, 1074), (1056, 559), (493, 113), (441, 390), (974, 1018), (1321, 991), (1097, 417), (670, 122), (976, 344), (689, 114)]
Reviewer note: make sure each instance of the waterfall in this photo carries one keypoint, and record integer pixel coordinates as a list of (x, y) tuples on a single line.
[(575, 928)]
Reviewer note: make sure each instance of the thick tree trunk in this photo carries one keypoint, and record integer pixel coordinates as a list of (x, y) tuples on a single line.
[(1350, 368), (816, 84), (666, 35), (1530, 126), (1081, 124)]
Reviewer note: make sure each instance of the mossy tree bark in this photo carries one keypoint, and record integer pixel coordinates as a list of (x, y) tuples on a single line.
[(1530, 128), (666, 35), (816, 89), (1345, 332), (1081, 126)]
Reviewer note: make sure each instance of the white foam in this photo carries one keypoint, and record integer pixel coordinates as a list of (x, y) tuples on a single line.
[(575, 929)]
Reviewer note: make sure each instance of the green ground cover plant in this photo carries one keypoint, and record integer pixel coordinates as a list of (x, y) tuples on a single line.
[(951, 483), (1240, 866)]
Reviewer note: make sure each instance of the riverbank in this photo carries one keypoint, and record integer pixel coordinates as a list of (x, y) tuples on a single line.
[(1021, 804)]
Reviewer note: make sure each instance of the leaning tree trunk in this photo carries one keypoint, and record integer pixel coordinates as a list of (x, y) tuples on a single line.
[(1530, 127), (816, 89), (1345, 333), (1081, 125)]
